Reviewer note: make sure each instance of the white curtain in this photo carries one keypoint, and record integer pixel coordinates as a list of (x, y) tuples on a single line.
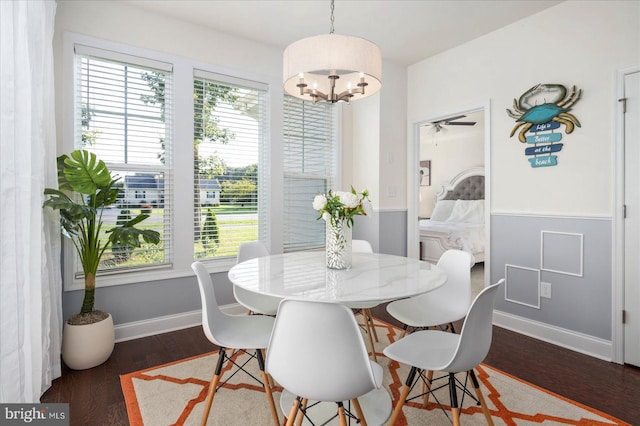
[(30, 278)]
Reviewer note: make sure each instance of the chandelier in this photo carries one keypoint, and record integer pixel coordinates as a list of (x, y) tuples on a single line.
[(332, 68)]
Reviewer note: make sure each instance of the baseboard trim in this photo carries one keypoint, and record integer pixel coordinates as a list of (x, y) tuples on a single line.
[(165, 324), (588, 345), (578, 342)]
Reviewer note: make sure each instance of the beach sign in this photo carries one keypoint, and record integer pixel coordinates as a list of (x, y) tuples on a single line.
[(544, 161), (543, 149)]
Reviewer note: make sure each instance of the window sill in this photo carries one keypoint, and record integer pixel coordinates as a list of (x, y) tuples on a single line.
[(156, 274)]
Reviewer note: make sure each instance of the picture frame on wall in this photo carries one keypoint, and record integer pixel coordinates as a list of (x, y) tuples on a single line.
[(425, 173)]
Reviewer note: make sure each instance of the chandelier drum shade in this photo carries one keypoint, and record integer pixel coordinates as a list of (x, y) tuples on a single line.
[(332, 68)]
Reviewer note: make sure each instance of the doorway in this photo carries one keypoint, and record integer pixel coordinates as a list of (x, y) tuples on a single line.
[(438, 143)]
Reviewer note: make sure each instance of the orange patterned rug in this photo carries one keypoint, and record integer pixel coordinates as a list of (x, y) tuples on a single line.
[(173, 394)]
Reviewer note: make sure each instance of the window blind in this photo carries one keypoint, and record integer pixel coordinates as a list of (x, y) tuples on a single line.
[(231, 170), (310, 167), (123, 115)]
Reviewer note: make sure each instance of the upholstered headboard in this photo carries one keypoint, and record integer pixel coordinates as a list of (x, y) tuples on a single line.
[(466, 185)]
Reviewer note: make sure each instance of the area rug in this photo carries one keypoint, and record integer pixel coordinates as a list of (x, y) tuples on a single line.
[(174, 394)]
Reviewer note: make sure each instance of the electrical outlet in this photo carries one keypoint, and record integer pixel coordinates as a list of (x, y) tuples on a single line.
[(545, 290)]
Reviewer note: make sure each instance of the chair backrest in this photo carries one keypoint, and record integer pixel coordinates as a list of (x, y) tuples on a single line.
[(258, 303), (457, 290), (361, 246), (251, 250), (317, 352), (477, 331), (213, 319)]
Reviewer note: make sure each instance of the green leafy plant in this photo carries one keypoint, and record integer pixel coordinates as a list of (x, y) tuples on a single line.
[(85, 188), (210, 235), (122, 252)]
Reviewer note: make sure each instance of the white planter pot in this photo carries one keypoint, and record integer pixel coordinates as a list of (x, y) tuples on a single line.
[(89, 345)]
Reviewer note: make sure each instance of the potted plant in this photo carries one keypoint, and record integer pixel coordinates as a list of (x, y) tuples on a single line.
[(85, 188)]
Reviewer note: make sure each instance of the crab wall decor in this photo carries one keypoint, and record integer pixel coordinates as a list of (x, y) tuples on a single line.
[(538, 112)]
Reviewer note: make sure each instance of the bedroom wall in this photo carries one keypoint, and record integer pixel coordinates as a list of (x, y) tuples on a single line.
[(573, 43), (450, 152)]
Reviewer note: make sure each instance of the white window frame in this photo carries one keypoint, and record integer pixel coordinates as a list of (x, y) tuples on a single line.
[(264, 188), (182, 134)]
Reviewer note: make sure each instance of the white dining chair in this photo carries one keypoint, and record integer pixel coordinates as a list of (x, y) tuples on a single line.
[(317, 353), (243, 333), (255, 303), (437, 350), (364, 308), (442, 306), (361, 246)]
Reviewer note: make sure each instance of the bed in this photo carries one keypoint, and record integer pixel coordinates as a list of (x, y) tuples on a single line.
[(457, 220)]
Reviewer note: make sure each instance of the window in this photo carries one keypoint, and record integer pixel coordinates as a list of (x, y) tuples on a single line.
[(310, 167), (230, 146), (122, 113), (123, 102)]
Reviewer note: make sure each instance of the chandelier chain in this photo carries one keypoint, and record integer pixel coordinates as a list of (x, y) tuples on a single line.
[(332, 18)]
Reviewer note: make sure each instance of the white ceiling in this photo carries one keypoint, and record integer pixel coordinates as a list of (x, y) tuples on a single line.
[(407, 31)]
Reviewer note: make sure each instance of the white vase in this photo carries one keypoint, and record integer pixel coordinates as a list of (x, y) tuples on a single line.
[(338, 245), (88, 345)]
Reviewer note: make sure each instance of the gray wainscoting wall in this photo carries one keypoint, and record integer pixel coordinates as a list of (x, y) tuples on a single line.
[(386, 230), (572, 254), (148, 300)]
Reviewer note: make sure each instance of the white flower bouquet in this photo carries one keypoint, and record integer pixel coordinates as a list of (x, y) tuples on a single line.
[(340, 205)]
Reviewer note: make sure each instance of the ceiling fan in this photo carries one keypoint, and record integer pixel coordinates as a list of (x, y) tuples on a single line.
[(439, 125)]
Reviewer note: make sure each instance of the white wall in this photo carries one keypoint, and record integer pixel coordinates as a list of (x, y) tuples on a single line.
[(364, 143), (375, 156), (574, 43), (121, 22), (393, 133)]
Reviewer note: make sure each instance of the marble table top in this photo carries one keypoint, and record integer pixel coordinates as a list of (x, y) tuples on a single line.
[(373, 277)]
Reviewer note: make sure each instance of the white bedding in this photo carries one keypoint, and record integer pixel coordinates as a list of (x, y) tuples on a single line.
[(461, 235)]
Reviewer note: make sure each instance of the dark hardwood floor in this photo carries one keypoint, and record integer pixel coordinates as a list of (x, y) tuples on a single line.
[(95, 396)]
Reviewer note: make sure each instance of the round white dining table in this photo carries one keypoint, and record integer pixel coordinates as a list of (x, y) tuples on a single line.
[(373, 277)]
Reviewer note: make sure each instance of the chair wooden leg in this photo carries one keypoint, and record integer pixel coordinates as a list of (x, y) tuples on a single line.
[(212, 386), (483, 403), (370, 335), (293, 411), (405, 328), (455, 413), (271, 382), (427, 388), (356, 405), (272, 404), (373, 327), (267, 388), (301, 412), (453, 395), (403, 396), (341, 415)]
